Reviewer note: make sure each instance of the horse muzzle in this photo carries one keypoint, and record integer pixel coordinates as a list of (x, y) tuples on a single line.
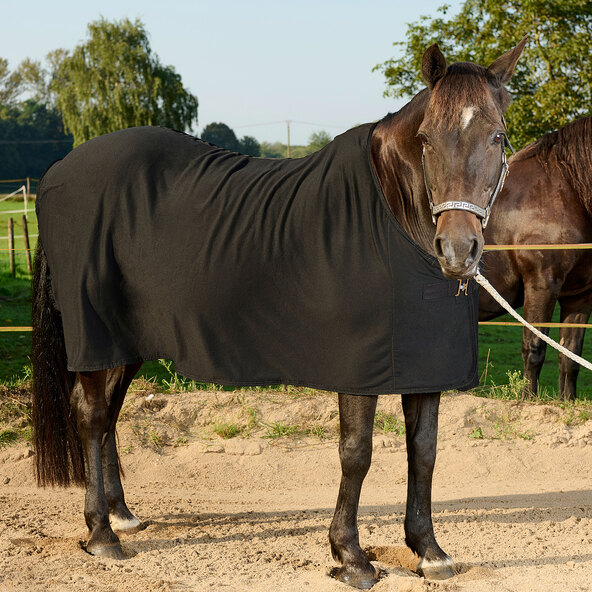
[(458, 250)]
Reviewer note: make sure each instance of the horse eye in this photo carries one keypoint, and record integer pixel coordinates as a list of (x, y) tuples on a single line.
[(424, 139), (499, 138)]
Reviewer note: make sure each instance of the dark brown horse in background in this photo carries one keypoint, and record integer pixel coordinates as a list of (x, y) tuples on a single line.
[(547, 199), (457, 123)]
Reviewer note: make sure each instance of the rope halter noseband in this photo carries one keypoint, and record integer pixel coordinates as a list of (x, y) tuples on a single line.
[(467, 206)]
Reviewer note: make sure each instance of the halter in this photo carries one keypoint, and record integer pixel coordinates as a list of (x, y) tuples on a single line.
[(467, 206)]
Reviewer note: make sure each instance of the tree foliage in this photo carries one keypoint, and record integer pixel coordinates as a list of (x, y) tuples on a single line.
[(552, 84), (114, 81), (221, 135), (318, 140), (31, 131), (275, 150), (249, 145), (10, 85), (31, 138)]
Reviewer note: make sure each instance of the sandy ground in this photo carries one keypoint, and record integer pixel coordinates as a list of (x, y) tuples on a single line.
[(514, 508)]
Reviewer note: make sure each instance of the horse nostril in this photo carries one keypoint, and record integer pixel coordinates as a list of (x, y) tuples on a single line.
[(474, 250), (438, 247)]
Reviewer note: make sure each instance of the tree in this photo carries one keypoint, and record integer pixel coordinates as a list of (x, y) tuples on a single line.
[(114, 81), (36, 80), (31, 138), (250, 146), (318, 140), (31, 132), (275, 150), (552, 83), (10, 85), (221, 135)]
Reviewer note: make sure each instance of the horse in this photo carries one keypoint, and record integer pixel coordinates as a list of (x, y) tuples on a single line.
[(547, 199), (434, 167)]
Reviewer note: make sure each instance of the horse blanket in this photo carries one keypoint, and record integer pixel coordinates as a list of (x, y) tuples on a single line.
[(247, 271)]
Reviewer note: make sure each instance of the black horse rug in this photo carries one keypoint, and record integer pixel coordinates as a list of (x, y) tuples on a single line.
[(248, 271)]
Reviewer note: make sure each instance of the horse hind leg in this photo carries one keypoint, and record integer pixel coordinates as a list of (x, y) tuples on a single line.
[(90, 404), (356, 418), (575, 309), (540, 297), (117, 383)]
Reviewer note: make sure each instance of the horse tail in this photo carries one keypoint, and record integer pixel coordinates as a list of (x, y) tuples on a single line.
[(58, 448)]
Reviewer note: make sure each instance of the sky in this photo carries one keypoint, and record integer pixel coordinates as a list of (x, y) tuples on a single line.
[(253, 64)]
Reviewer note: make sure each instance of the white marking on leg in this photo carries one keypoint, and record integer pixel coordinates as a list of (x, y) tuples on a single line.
[(466, 116), (123, 524), (435, 564)]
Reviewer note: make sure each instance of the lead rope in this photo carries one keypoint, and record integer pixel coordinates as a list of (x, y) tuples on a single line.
[(484, 283)]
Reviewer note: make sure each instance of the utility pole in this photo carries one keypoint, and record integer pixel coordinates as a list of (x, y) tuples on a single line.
[(288, 122)]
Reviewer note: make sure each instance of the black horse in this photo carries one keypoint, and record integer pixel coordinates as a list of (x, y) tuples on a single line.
[(108, 294)]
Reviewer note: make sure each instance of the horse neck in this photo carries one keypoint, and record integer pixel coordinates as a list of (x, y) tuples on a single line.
[(396, 155)]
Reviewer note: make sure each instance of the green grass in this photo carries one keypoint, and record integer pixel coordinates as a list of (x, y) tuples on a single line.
[(15, 310), (8, 437), (503, 347), (280, 429), (226, 430), (388, 424)]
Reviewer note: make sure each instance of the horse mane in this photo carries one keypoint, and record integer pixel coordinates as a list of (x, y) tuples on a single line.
[(571, 147)]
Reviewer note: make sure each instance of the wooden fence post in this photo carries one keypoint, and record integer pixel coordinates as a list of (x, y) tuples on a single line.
[(11, 246), (27, 247)]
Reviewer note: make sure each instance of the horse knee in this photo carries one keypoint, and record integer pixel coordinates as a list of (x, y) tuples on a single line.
[(355, 454)]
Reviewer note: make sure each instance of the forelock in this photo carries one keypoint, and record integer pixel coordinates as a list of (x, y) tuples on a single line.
[(461, 94)]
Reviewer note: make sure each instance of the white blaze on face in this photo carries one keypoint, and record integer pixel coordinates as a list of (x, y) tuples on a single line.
[(466, 116)]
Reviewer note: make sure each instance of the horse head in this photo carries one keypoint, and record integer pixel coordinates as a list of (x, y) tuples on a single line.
[(464, 164)]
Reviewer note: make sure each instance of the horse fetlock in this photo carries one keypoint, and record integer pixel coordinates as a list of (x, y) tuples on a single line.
[(356, 570), (436, 569), (124, 523), (105, 546), (361, 576)]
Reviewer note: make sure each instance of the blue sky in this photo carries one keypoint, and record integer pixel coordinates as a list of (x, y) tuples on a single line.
[(251, 61)]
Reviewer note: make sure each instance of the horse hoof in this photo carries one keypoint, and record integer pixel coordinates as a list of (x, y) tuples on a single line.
[(106, 550), (128, 525), (440, 569), (356, 578)]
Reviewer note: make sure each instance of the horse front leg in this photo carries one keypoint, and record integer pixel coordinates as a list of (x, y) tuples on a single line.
[(118, 381), (356, 422), (421, 424), (90, 404)]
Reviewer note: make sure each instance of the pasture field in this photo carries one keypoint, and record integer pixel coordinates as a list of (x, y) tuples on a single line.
[(499, 347)]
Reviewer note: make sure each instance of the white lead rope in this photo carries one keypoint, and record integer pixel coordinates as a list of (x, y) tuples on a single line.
[(484, 283)]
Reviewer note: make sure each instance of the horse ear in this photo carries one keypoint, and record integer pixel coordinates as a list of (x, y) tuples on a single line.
[(433, 65), (503, 68)]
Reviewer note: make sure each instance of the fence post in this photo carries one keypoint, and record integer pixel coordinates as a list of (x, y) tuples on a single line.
[(11, 246), (27, 247)]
